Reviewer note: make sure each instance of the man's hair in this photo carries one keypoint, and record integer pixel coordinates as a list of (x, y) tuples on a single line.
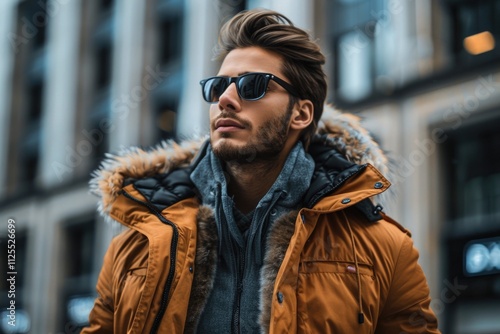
[(302, 56)]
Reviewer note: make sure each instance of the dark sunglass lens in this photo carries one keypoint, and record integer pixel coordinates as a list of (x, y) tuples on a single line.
[(252, 86), (214, 88)]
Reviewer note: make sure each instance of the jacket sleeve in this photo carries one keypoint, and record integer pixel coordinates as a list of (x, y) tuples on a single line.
[(407, 308), (101, 316)]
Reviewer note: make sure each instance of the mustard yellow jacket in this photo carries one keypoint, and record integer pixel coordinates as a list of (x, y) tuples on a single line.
[(338, 265)]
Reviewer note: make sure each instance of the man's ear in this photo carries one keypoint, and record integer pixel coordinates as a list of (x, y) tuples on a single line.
[(302, 115)]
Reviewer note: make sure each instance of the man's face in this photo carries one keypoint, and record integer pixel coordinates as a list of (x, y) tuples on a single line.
[(248, 131)]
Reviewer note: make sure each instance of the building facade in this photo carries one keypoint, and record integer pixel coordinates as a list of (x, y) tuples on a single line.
[(81, 78)]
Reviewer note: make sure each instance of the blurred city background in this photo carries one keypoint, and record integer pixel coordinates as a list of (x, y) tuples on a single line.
[(81, 78)]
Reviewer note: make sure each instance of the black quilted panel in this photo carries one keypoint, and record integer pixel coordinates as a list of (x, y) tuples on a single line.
[(331, 170), (166, 189)]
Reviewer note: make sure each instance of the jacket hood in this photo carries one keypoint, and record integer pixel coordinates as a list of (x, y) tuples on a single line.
[(342, 131), (351, 139)]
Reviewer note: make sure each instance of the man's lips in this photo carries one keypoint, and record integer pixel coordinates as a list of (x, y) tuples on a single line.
[(227, 123)]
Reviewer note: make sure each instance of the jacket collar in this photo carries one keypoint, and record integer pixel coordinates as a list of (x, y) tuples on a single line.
[(341, 142)]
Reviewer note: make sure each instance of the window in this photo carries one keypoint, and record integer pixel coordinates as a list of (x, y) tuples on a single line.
[(475, 176), (475, 30), (78, 264), (97, 46), (360, 31), (103, 65), (170, 41), (28, 92), (472, 234), (368, 64), (169, 31)]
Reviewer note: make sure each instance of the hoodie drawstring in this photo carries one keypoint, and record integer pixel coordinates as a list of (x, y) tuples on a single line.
[(361, 316)]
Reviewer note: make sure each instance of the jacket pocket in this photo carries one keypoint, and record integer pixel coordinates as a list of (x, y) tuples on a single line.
[(338, 267), (141, 271), (328, 297), (128, 294), (131, 284)]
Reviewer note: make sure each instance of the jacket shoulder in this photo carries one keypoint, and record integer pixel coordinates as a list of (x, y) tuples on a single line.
[(381, 229), (389, 235), (129, 250), (391, 221), (126, 237), (381, 242)]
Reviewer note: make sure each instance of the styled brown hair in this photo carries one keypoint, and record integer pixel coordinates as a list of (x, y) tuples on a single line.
[(302, 56)]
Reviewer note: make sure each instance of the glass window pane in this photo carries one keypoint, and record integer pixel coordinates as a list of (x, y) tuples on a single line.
[(354, 66)]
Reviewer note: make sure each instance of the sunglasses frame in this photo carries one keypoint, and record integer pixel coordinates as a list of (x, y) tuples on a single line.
[(268, 77)]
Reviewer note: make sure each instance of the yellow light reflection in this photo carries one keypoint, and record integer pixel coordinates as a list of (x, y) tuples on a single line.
[(479, 43)]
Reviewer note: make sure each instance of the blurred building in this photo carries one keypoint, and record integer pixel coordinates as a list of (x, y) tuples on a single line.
[(80, 78)]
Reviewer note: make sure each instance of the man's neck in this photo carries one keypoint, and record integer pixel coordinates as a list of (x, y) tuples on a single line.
[(249, 182)]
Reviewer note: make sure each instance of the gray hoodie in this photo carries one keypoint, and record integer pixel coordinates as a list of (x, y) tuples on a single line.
[(233, 304)]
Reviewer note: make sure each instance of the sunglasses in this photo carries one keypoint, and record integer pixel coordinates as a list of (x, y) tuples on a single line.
[(250, 86)]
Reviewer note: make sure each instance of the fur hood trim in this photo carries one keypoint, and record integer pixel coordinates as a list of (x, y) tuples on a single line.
[(205, 267), (351, 139), (344, 131), (278, 240), (107, 180)]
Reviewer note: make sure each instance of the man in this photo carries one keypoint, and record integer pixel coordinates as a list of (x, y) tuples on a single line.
[(268, 226)]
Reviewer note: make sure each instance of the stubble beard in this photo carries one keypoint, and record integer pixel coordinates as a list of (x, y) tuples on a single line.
[(265, 146)]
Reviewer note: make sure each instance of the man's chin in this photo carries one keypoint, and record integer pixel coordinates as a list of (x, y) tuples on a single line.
[(229, 152), (244, 155), (225, 143)]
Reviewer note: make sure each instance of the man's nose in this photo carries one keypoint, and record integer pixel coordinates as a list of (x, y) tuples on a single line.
[(229, 99)]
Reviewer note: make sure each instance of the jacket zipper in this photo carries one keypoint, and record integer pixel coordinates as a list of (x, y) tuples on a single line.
[(241, 270), (173, 255), (239, 290)]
